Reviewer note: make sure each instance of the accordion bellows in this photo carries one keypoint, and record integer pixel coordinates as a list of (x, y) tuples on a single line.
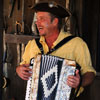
[(49, 78)]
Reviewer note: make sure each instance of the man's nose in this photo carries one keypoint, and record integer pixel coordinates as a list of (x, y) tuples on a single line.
[(37, 22)]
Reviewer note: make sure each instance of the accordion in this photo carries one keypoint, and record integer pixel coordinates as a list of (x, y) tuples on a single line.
[(49, 78)]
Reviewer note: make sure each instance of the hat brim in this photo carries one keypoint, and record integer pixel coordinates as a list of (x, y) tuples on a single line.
[(55, 9)]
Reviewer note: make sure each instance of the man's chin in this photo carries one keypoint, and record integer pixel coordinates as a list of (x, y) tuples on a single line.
[(41, 34)]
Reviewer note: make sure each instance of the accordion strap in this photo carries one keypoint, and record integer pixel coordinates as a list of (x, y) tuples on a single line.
[(39, 45), (61, 43)]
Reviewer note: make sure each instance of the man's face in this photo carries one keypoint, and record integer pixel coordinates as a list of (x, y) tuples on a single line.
[(44, 24)]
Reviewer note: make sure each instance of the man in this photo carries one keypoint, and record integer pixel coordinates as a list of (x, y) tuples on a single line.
[(49, 16)]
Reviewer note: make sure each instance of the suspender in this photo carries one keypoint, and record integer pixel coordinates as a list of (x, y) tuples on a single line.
[(39, 45), (61, 43)]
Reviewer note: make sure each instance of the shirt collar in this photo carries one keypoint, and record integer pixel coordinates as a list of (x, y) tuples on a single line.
[(42, 39)]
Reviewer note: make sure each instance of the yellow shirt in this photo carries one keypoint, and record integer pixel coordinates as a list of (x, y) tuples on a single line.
[(75, 49)]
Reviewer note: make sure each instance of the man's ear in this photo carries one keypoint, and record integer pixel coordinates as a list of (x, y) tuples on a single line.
[(55, 21)]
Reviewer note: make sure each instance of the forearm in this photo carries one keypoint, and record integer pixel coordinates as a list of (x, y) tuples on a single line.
[(87, 78)]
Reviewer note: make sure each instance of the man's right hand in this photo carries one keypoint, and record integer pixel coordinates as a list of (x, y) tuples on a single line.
[(24, 71)]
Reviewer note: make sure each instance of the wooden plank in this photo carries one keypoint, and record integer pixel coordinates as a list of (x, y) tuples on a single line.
[(1, 46), (11, 38)]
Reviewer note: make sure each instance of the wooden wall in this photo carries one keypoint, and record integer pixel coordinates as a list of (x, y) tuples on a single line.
[(1, 46), (14, 41), (23, 13)]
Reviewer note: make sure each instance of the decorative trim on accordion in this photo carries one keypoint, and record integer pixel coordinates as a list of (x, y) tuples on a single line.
[(32, 84), (47, 91), (48, 81), (63, 90)]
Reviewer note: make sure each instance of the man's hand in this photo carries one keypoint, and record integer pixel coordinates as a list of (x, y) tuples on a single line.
[(24, 71), (74, 81)]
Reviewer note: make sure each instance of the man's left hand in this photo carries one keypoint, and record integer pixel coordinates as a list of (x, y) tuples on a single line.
[(74, 81)]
